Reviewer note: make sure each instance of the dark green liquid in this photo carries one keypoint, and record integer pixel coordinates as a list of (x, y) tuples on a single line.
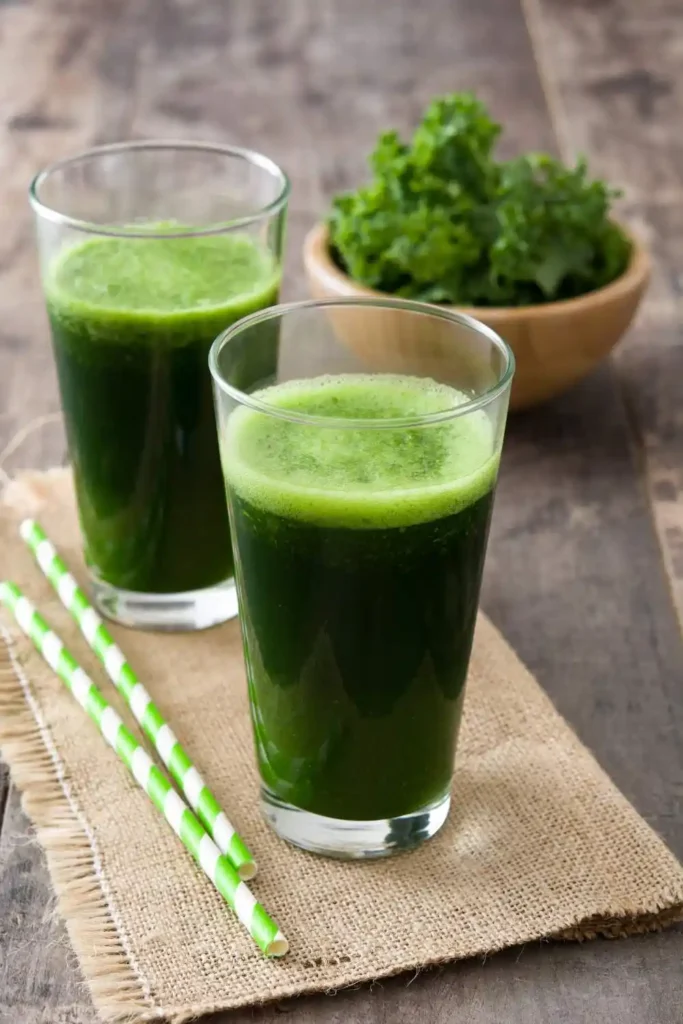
[(132, 323), (359, 559)]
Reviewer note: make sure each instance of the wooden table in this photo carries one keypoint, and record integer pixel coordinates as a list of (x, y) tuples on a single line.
[(585, 574)]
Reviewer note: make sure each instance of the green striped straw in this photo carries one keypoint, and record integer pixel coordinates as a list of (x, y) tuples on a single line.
[(151, 779), (146, 713)]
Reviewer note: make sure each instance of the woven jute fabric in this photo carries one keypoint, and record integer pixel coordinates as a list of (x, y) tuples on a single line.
[(539, 842)]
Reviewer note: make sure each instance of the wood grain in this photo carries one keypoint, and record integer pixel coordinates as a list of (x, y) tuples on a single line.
[(58, 94), (39, 976), (612, 74), (575, 576)]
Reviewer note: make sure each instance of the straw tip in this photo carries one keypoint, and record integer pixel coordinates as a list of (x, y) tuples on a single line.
[(26, 528), (9, 593), (277, 946), (247, 870)]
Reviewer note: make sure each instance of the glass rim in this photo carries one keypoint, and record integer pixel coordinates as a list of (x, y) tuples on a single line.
[(409, 305), (250, 156)]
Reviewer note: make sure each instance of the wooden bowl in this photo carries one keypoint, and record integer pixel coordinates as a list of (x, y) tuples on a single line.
[(555, 344)]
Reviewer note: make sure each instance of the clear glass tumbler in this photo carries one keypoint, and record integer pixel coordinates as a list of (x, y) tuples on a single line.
[(148, 250), (360, 479)]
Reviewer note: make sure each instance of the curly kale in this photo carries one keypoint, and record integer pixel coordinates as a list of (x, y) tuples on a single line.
[(443, 221)]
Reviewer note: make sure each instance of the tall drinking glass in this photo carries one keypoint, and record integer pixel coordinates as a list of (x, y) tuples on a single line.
[(360, 479), (148, 250)]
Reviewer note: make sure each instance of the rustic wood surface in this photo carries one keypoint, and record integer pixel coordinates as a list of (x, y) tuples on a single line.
[(585, 574)]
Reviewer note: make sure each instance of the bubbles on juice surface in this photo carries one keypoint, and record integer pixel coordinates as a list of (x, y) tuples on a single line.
[(360, 474)]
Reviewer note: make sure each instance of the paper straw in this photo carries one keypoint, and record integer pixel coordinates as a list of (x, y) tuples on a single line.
[(155, 728), (151, 779)]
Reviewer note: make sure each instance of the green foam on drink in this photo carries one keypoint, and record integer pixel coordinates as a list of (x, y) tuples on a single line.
[(159, 275), (367, 476)]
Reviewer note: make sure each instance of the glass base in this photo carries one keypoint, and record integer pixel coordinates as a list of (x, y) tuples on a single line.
[(352, 840), (195, 609)]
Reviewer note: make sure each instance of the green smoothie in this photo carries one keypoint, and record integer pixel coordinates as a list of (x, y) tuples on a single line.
[(132, 323), (359, 555)]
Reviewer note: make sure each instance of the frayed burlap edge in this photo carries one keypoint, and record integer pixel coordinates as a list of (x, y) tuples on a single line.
[(73, 855), (622, 927)]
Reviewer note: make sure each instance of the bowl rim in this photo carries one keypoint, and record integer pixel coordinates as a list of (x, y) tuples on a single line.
[(316, 254)]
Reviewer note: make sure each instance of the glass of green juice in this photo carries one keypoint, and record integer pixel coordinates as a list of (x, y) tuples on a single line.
[(360, 479), (148, 250)]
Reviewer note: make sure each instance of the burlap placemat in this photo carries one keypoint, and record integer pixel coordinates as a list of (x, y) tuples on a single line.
[(539, 841)]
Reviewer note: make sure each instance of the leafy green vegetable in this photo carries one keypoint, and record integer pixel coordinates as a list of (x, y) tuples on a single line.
[(443, 221)]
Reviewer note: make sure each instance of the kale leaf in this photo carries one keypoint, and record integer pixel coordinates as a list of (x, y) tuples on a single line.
[(443, 221)]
